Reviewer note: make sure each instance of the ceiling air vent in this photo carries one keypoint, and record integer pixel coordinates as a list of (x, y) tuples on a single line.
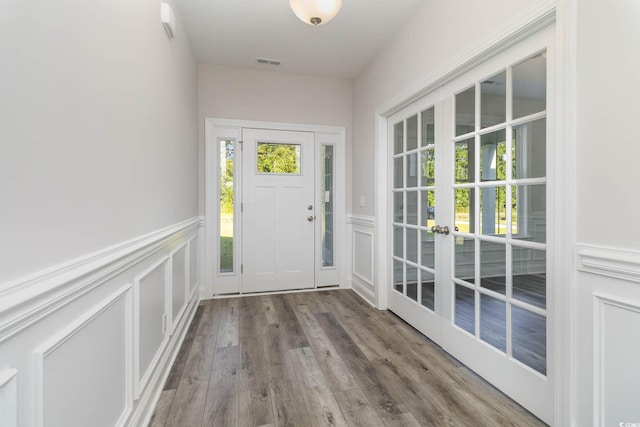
[(268, 61)]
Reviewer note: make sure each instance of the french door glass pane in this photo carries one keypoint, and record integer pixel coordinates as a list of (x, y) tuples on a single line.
[(412, 133), (398, 207), (412, 207), (465, 258), (398, 276), (428, 167), (529, 335), (427, 280), (493, 322), (465, 161), (398, 181), (398, 138), (529, 267), (428, 249), (465, 111), (412, 170), (530, 150), (412, 245), (493, 266), (465, 308), (531, 211), (412, 282), (428, 208), (530, 86), (398, 242), (464, 211), (493, 100), (493, 156), (428, 127), (493, 216)]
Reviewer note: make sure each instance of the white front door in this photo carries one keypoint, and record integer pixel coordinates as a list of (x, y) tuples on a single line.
[(469, 221), (278, 210)]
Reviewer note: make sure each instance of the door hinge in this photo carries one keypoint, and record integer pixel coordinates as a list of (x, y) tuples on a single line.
[(241, 145), (241, 268), (241, 207)]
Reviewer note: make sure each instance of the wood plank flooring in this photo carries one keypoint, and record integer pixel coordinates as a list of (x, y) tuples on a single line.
[(316, 359)]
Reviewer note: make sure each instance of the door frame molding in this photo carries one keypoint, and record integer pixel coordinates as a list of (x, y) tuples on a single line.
[(538, 16), (231, 283)]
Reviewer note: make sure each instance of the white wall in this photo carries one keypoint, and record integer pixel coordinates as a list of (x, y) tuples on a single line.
[(607, 292), (233, 93), (608, 147), (435, 35), (97, 128)]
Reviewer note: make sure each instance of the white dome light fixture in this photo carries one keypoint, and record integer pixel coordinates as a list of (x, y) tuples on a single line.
[(315, 12)]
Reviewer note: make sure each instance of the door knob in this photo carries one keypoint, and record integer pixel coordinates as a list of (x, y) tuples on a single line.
[(310, 218), (436, 229), (445, 230), (310, 207)]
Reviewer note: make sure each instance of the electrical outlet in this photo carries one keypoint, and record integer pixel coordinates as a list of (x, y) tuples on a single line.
[(362, 201)]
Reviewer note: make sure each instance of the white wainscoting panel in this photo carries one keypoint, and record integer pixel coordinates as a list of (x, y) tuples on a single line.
[(179, 282), (94, 339), (150, 328), (194, 261), (361, 256), (607, 337), (9, 398), (94, 349), (617, 371)]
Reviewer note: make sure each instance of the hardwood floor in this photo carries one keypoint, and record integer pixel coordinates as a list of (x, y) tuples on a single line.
[(320, 358)]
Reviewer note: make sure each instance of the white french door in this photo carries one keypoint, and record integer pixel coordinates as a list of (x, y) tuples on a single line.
[(278, 210), (469, 218)]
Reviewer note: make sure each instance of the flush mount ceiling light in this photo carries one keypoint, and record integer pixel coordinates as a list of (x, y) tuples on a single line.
[(315, 12)]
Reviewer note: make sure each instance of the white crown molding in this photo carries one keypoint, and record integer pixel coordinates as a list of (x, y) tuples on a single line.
[(616, 263), (28, 299)]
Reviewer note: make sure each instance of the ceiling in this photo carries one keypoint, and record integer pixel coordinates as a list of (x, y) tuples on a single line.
[(236, 32)]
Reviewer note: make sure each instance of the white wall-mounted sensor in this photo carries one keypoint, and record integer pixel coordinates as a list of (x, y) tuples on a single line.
[(168, 19)]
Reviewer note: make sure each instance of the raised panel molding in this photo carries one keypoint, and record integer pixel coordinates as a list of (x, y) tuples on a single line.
[(179, 283), (616, 372), (90, 364), (617, 263), (361, 255), (150, 314), (193, 269), (9, 398)]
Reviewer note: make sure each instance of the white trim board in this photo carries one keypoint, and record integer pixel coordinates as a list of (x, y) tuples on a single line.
[(616, 263)]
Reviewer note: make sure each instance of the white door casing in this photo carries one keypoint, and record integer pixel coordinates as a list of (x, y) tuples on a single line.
[(327, 158), (277, 224)]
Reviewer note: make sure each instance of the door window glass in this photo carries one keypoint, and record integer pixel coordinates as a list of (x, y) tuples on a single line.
[(278, 158), (226, 205), (326, 193)]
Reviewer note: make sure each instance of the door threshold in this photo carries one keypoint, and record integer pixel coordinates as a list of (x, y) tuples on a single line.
[(288, 291)]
